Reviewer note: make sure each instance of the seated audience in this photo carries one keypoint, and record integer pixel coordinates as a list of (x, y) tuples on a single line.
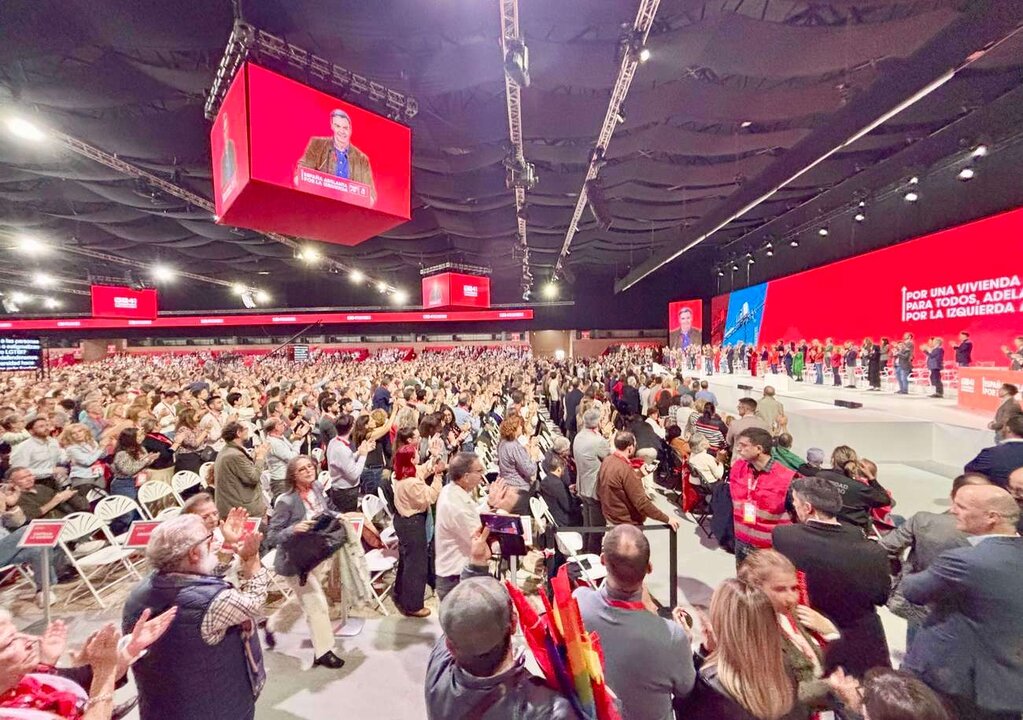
[(813, 464), (708, 467), (998, 461), (564, 506)]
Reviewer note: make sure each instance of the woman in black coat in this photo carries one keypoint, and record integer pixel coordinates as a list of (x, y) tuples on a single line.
[(873, 353)]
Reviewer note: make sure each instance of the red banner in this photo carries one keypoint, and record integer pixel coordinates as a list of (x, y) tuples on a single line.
[(111, 301), (453, 289), (290, 159), (42, 533), (286, 319), (978, 387), (139, 532)]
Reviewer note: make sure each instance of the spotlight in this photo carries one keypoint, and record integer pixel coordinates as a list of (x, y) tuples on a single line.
[(550, 290), (30, 246), (862, 204), (8, 304), (746, 123), (162, 273), (979, 151), (770, 252), (911, 197), (620, 117), (309, 255), (43, 280), (823, 232), (216, 218), (22, 128), (239, 289), (20, 298), (735, 267), (262, 297), (794, 243), (382, 287), (248, 300), (356, 277), (400, 297), (966, 173), (526, 293), (516, 63), (644, 55), (914, 180), (859, 217), (721, 273), (50, 303)]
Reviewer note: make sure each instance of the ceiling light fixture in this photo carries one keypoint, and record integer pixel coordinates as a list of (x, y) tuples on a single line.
[(309, 255), (979, 151), (794, 243), (43, 280), (746, 123), (644, 55), (21, 298), (51, 303), (239, 289), (911, 197), (721, 273), (262, 297), (400, 297), (356, 276), (550, 290), (735, 267), (382, 287), (914, 180), (162, 273), (967, 173), (30, 246), (823, 232), (859, 217), (24, 129)]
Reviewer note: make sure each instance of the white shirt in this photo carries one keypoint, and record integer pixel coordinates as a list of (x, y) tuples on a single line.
[(39, 456), (214, 426), (344, 464), (280, 454), (458, 518), (656, 426)]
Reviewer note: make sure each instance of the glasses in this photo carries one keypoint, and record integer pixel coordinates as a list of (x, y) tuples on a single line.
[(206, 539)]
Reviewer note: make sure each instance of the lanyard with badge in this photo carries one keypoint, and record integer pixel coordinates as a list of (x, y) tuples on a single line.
[(749, 508)]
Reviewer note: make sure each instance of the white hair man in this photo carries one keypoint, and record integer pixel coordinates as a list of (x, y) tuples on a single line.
[(214, 627)]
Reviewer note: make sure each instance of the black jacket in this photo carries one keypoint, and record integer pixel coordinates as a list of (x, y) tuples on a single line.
[(857, 498), (572, 400), (564, 506), (847, 580), (630, 402), (998, 462)]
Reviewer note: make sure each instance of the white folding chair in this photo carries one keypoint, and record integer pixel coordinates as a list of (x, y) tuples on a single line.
[(324, 478), (371, 506), (153, 491), (267, 561), (204, 471), (168, 513), (379, 562), (570, 543), (99, 564), (317, 455), (113, 507), (23, 573), (186, 480)]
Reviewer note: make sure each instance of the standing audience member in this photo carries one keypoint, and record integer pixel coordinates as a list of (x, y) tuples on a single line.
[(648, 660), (846, 575), (860, 492), (458, 517), (998, 461), (564, 506), (237, 473), (748, 418), (83, 452), (40, 453), (623, 498), (744, 676), (214, 629), (969, 647), (589, 450), (1008, 409), (296, 512), (346, 464), (516, 462), (279, 453), (758, 485), (712, 427), (769, 410)]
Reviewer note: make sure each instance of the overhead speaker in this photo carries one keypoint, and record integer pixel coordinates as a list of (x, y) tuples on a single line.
[(848, 404)]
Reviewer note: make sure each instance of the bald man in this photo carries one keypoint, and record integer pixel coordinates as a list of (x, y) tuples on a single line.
[(971, 646), (648, 660)]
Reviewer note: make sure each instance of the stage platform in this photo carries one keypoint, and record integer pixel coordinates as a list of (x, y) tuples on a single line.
[(914, 429)]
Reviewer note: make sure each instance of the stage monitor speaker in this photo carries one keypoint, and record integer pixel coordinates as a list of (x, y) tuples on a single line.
[(745, 387), (848, 404)]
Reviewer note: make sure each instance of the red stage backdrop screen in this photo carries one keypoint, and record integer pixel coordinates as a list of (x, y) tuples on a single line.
[(295, 132), (964, 278), (110, 301), (685, 320), (230, 145), (456, 290)]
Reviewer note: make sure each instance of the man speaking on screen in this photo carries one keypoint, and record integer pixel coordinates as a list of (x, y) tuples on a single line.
[(686, 334), (337, 156)]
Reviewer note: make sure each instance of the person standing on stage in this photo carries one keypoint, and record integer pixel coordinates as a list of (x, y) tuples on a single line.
[(904, 363), (964, 350), (935, 362), (872, 353)]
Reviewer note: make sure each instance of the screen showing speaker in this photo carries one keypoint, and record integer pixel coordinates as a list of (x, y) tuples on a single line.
[(685, 323)]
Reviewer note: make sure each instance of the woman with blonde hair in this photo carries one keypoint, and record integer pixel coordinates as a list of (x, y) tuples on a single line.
[(860, 493), (744, 677), (805, 633), (83, 452)]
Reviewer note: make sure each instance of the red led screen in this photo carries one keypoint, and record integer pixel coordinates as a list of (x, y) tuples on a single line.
[(111, 301)]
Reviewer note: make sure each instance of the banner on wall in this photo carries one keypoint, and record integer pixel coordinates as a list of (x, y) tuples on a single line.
[(685, 323), (290, 159), (113, 301), (967, 278)]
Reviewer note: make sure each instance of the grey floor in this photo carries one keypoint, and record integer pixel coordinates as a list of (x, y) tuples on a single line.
[(386, 662)]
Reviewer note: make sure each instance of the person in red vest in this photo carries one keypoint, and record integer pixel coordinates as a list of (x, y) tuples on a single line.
[(758, 485)]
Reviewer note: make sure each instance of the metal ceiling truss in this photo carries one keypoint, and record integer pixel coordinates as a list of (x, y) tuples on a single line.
[(246, 39), (520, 172), (112, 161), (626, 71)]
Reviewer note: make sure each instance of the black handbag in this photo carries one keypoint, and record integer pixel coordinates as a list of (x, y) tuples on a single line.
[(302, 552)]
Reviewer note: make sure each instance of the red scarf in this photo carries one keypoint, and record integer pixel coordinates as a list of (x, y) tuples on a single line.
[(33, 694)]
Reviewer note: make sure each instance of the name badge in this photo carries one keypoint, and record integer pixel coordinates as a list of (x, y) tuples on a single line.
[(749, 513)]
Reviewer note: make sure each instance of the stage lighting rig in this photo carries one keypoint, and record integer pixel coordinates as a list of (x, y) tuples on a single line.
[(516, 62), (598, 205), (521, 176)]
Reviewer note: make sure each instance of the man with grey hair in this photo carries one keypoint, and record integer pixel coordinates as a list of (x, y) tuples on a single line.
[(589, 450), (465, 419), (969, 647), (814, 461), (458, 517), (847, 576), (648, 660), (215, 627), (335, 155)]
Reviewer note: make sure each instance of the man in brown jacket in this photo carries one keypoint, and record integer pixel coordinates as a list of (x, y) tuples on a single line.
[(236, 473), (620, 488), (335, 155)]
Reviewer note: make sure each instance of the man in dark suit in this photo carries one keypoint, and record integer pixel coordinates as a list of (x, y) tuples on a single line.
[(1009, 408), (998, 461), (935, 362), (686, 334), (335, 155), (630, 404), (847, 576), (971, 645), (964, 350), (572, 399)]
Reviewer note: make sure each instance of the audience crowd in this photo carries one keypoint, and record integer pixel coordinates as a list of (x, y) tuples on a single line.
[(313, 473)]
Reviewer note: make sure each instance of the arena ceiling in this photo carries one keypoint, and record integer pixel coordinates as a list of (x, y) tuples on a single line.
[(736, 94)]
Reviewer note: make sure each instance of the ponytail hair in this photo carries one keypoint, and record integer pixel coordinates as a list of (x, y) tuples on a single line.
[(844, 458)]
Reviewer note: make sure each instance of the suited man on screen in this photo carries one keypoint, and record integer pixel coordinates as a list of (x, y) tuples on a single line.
[(686, 334), (335, 155)]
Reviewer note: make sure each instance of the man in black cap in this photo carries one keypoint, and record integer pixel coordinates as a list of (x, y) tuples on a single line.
[(474, 671)]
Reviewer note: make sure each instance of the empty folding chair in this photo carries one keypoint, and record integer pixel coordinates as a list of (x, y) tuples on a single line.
[(373, 505), (99, 565), (115, 507), (282, 587), (185, 480), (156, 491), (168, 513), (380, 562)]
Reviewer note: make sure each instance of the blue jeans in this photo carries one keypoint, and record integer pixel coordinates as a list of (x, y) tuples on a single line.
[(902, 377), (126, 487), (819, 369), (11, 554), (369, 481)]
